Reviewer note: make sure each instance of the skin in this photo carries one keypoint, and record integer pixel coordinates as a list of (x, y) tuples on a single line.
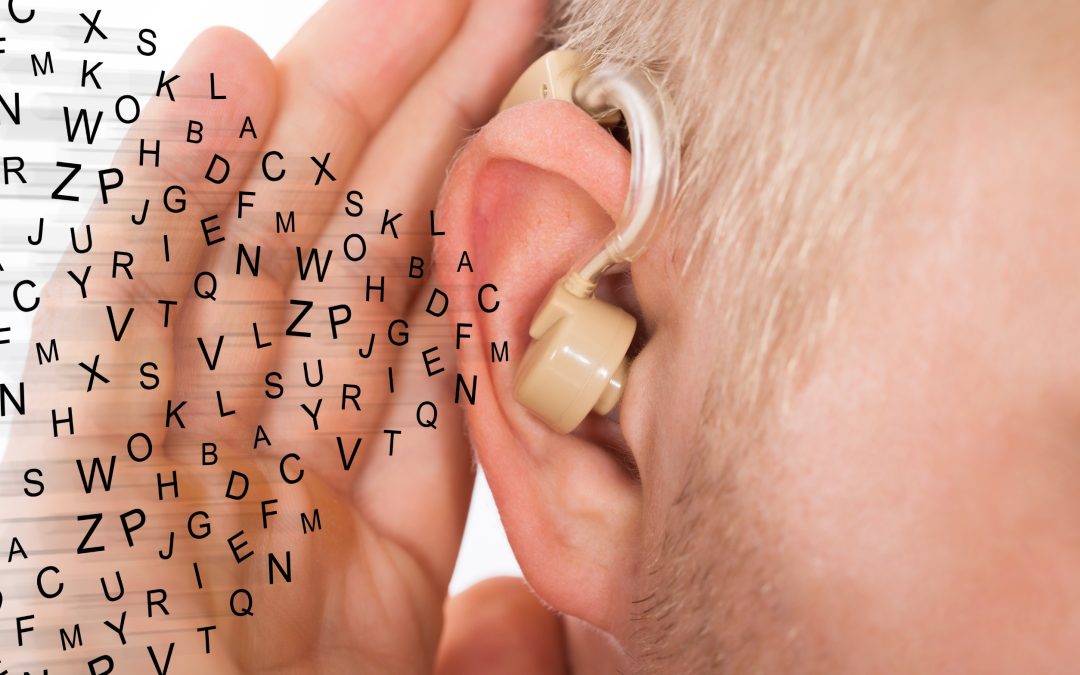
[(908, 508)]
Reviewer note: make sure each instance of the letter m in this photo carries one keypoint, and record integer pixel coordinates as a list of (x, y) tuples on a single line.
[(43, 356), (42, 68), (283, 225), (499, 355), (310, 525)]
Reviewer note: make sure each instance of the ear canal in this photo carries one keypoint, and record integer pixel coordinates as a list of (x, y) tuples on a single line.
[(576, 363)]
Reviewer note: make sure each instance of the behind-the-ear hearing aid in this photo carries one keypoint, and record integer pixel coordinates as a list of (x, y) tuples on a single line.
[(577, 361)]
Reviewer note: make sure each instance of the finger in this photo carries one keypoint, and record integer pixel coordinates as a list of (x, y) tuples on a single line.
[(498, 626), (136, 333), (340, 78)]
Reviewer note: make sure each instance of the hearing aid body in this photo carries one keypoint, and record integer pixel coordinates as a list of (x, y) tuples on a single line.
[(577, 361)]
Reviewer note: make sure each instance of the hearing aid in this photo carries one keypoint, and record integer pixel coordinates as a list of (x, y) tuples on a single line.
[(577, 362)]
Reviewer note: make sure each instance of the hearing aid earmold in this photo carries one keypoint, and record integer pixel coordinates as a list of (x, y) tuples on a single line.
[(577, 361)]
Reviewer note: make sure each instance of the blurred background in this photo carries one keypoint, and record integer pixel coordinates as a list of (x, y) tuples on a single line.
[(485, 551)]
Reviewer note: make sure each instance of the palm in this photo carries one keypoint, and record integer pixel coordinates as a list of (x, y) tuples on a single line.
[(367, 588)]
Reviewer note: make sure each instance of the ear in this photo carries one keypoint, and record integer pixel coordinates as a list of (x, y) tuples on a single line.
[(539, 185)]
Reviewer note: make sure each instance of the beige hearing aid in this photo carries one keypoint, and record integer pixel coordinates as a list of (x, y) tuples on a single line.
[(577, 361)]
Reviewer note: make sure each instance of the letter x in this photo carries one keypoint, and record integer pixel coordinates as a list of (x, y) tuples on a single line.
[(94, 374), (93, 27), (323, 171)]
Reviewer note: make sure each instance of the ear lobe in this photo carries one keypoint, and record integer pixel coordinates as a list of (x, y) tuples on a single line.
[(538, 186)]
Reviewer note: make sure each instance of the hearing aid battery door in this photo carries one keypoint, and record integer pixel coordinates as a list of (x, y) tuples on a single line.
[(576, 362)]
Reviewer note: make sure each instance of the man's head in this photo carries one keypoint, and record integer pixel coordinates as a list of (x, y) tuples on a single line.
[(848, 442)]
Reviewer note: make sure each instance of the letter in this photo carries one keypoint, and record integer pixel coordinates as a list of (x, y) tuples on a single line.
[(155, 153), (139, 459), (75, 639), (346, 464), (283, 226), (75, 169), (323, 171), (245, 610), (41, 587), (93, 28), (429, 362), (260, 437), (18, 302), (206, 630), (16, 545), (321, 266), (229, 489), (380, 287), (253, 266), (171, 412), (363, 247), (266, 171), (498, 356), (104, 658), (161, 669), (5, 329), (108, 187), (213, 90), (40, 68), (307, 374), (290, 331), (90, 73), (152, 46), (211, 363), (480, 298), (285, 572), (310, 525), (210, 170), (40, 233), (434, 232), (151, 603), (469, 393), (167, 553), (249, 127), (119, 334), (258, 343), (168, 304), (128, 120), (204, 291), (128, 258), (281, 467), (204, 529), (33, 481), (416, 265), (195, 132), (280, 389), (391, 433), (266, 513), (148, 376), (119, 594), (209, 231), (371, 346), (97, 468), (403, 335), (128, 530), (57, 421), (314, 415), (353, 198), (221, 406), (17, 170), (241, 203), (81, 119), (15, 114), (355, 398), (165, 244), (178, 205), (6, 395), (428, 422), (162, 484), (334, 322), (462, 335), (19, 626), (139, 219), (209, 450), (20, 19), (236, 548), (119, 630), (436, 293), (387, 221), (82, 549), (464, 262), (94, 374), (81, 282)]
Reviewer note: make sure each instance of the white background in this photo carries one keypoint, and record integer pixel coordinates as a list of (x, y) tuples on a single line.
[(485, 551)]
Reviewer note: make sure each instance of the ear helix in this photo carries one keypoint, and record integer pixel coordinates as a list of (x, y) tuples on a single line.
[(577, 361)]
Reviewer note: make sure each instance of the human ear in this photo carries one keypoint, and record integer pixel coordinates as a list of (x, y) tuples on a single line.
[(540, 184)]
